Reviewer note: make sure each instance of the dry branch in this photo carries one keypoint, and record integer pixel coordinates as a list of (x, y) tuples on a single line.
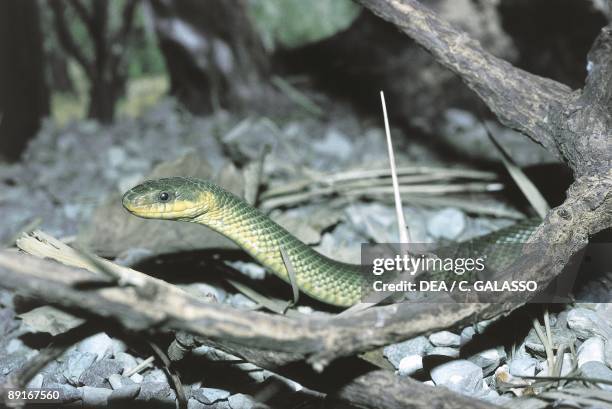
[(393, 396), (499, 84), (265, 340)]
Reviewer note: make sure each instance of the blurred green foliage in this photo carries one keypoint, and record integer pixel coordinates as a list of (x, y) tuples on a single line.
[(293, 23)]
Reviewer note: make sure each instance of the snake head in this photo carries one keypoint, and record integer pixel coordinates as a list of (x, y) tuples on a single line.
[(175, 198)]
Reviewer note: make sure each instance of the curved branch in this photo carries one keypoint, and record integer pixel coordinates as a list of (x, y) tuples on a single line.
[(66, 40), (520, 100)]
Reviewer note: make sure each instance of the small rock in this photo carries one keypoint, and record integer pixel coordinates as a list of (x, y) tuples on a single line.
[(416, 346), (128, 392), (523, 366), (444, 351), (209, 396), (206, 291), (591, 350), (447, 224), (36, 382), (157, 392), (594, 369), (466, 335), (133, 256), (586, 323), (137, 378), (99, 344), (95, 397), (76, 363), (115, 381), (97, 374), (410, 364), (566, 366), (15, 345), (251, 270), (445, 339), (489, 359), (241, 301), (126, 360), (68, 393), (156, 375), (241, 401), (461, 376), (560, 336)]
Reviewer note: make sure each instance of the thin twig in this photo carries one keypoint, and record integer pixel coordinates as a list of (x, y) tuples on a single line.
[(404, 235), (146, 363)]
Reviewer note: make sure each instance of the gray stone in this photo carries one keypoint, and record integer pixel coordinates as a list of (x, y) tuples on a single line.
[(416, 346), (560, 336), (115, 381), (444, 351), (241, 301), (447, 224), (98, 373), (133, 256), (594, 369), (210, 395), (75, 364), (128, 392), (155, 375), (241, 401), (95, 397), (99, 344), (461, 376), (126, 360), (10, 363), (445, 339), (156, 391), (523, 366), (410, 364), (489, 359), (591, 350), (136, 378), (68, 393), (587, 323), (466, 335), (36, 382)]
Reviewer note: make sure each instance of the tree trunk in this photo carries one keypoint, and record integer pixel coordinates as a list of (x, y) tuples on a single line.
[(24, 97), (103, 96), (213, 54)]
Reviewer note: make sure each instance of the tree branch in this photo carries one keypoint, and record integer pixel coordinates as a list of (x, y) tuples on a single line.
[(383, 389), (66, 40), (498, 83)]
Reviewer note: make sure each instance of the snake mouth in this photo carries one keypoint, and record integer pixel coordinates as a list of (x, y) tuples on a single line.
[(140, 206)]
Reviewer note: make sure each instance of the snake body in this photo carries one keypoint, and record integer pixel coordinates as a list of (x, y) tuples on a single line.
[(203, 202)]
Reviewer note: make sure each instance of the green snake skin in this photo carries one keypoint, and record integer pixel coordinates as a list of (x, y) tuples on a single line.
[(198, 201)]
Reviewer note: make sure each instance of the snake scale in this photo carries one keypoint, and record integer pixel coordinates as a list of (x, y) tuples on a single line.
[(203, 202)]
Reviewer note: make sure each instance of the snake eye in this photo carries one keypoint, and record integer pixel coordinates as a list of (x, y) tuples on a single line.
[(164, 196)]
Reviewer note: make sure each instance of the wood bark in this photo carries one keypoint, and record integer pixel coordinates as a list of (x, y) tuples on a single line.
[(106, 75), (24, 96), (213, 53)]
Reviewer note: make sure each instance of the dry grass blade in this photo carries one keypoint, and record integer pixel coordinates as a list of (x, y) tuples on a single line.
[(273, 304), (530, 191), (550, 358), (406, 174), (253, 174), (296, 96), (292, 275), (404, 235)]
